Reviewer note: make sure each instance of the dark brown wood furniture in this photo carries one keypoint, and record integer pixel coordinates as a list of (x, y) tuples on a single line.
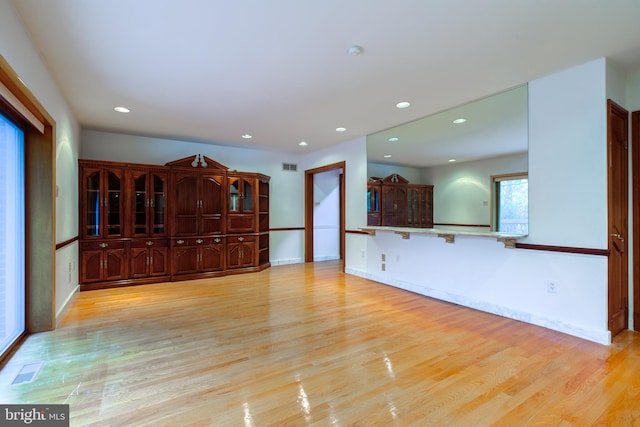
[(191, 218), (393, 201)]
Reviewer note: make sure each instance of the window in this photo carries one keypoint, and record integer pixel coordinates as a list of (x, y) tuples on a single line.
[(510, 203), (12, 233)]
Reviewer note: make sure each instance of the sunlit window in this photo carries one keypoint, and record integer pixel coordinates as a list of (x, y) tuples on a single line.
[(12, 233), (510, 203)]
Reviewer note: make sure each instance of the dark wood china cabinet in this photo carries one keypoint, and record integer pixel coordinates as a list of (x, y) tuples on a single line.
[(191, 218), (393, 201)]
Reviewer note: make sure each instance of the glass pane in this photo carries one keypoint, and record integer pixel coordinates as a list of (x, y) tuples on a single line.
[(234, 191), (12, 213), (140, 217), (247, 197), (158, 204), (93, 204), (513, 207), (113, 204)]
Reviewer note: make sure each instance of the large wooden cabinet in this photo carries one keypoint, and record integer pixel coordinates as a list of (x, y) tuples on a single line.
[(190, 218), (393, 201)]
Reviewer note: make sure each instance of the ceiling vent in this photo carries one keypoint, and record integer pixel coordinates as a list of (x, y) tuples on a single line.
[(291, 167)]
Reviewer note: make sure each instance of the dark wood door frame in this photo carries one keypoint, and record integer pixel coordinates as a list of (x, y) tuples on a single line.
[(618, 221), (308, 207), (635, 158)]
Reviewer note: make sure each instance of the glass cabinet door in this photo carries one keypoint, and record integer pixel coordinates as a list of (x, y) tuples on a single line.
[(140, 205), (247, 196), (93, 200), (413, 207), (240, 195), (234, 194), (113, 204), (158, 212)]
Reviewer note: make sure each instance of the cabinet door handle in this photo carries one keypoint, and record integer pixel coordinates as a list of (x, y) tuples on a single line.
[(104, 245), (180, 242), (150, 203), (149, 243), (216, 240), (241, 239), (199, 241)]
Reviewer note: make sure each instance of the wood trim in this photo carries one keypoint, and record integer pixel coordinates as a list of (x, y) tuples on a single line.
[(302, 228), (11, 350), (308, 216), (444, 224), (342, 204), (40, 218), (308, 207), (12, 81), (617, 145), (635, 159), (565, 249), (66, 243), (356, 232)]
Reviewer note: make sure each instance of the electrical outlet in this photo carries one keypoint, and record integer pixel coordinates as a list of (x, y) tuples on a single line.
[(552, 287), (383, 267), (384, 257)]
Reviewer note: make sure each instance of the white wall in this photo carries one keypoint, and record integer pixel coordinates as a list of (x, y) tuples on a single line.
[(326, 215), (462, 191), (567, 207), (17, 49), (633, 91), (568, 158)]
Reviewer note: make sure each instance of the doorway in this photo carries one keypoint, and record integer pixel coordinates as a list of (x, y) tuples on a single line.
[(618, 205), (635, 162), (309, 208)]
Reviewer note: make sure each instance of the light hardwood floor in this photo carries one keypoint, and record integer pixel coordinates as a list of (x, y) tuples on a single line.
[(308, 345)]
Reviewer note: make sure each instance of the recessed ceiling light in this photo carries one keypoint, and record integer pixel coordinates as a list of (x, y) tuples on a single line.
[(393, 139), (341, 129), (460, 120), (122, 109), (386, 156), (403, 104), (452, 160), (302, 143), (247, 136), (355, 50)]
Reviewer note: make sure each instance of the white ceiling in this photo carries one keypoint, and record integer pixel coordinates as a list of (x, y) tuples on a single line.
[(495, 126), (213, 70)]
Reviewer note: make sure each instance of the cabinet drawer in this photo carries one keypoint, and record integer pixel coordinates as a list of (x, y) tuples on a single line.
[(198, 241), (240, 223), (100, 245), (146, 243), (241, 239)]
